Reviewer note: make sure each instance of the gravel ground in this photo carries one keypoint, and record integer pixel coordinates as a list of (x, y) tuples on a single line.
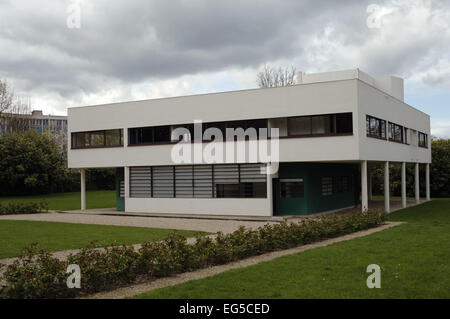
[(200, 224)]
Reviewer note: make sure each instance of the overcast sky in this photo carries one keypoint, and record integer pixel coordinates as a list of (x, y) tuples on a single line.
[(128, 50)]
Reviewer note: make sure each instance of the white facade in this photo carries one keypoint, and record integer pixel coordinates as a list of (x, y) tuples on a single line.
[(328, 93)]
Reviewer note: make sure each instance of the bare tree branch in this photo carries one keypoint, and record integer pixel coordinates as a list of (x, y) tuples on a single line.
[(17, 118), (6, 97), (272, 77)]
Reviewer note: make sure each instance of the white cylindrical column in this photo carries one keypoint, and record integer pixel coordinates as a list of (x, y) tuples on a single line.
[(427, 181), (387, 207), (404, 185), (364, 195), (83, 188), (416, 181)]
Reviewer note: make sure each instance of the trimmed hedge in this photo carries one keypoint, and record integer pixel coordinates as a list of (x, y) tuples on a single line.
[(36, 274), (13, 208)]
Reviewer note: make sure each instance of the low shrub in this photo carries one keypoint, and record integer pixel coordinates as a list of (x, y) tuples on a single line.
[(36, 274), (13, 208)]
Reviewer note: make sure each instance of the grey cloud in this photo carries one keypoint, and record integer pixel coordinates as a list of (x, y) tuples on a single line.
[(132, 41)]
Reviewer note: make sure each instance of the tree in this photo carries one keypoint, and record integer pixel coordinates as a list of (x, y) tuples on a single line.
[(439, 173), (6, 97), (440, 168), (272, 77), (17, 116), (13, 111), (30, 163)]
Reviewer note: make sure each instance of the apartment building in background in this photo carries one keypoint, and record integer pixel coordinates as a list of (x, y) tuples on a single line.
[(36, 121)]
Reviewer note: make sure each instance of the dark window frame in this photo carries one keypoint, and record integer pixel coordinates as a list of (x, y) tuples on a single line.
[(381, 124), (223, 125), (425, 139), (258, 191), (327, 185), (333, 125), (289, 182), (392, 128), (74, 145)]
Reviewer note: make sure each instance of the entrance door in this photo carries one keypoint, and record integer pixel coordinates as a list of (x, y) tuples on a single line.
[(120, 189), (289, 196)]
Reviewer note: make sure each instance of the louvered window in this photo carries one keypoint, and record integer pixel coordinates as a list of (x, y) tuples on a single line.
[(140, 182)]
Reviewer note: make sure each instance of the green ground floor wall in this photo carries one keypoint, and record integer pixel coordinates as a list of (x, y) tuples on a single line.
[(313, 200), (119, 200)]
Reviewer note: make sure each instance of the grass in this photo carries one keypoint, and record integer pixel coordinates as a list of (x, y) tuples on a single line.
[(70, 201), (53, 236), (414, 260)]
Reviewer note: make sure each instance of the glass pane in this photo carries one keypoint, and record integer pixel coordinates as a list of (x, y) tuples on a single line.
[(299, 125), (327, 186), (367, 125), (397, 133), (292, 189), (344, 123), (81, 140), (163, 182), (257, 124), (97, 138), (280, 124), (321, 124), (113, 137), (227, 190), (187, 136), (383, 129), (145, 135), (162, 134)]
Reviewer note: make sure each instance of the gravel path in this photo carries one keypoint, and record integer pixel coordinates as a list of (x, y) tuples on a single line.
[(206, 225), (207, 272)]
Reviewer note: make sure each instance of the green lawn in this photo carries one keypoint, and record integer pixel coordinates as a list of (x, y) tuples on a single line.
[(70, 201), (62, 236), (414, 260)]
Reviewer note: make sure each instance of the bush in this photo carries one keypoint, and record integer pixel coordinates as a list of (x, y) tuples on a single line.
[(13, 208), (36, 274)]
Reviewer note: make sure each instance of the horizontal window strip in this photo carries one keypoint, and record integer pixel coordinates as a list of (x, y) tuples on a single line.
[(198, 181), (296, 126)]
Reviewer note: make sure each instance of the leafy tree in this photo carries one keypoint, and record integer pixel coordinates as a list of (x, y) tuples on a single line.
[(440, 168), (439, 173), (30, 163)]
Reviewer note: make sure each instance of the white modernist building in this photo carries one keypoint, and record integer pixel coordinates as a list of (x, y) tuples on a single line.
[(330, 126)]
